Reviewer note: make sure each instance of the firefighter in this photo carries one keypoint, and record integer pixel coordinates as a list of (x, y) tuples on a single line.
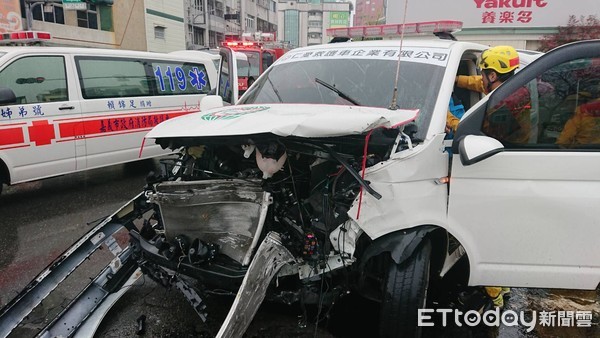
[(583, 127), (497, 65)]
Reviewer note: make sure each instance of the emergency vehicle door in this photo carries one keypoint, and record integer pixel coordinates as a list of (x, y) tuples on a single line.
[(526, 210), (39, 131), (228, 78)]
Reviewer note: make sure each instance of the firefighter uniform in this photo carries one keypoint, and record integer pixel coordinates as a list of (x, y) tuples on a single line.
[(583, 127)]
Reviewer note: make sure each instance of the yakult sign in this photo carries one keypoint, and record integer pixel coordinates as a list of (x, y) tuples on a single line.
[(510, 3), (494, 13), (508, 11)]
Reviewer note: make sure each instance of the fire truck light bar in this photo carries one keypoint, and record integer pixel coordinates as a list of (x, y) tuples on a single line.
[(24, 37), (241, 44), (393, 30)]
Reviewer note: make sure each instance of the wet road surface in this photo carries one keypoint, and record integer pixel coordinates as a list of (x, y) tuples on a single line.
[(40, 220)]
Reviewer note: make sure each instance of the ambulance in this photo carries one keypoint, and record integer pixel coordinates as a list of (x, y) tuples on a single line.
[(64, 110)]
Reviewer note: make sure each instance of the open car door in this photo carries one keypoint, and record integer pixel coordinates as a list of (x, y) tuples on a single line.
[(228, 78), (525, 188)]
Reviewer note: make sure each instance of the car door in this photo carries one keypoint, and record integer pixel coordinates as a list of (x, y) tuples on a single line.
[(228, 77), (38, 135), (528, 212)]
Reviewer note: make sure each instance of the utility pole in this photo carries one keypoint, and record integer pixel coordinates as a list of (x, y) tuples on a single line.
[(206, 23)]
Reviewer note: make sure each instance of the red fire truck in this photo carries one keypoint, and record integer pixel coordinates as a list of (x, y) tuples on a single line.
[(261, 51)]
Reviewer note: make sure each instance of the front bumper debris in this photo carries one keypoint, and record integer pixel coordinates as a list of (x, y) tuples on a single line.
[(270, 257)]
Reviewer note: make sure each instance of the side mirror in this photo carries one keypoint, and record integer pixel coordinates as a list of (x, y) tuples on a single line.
[(474, 148), (7, 96), (210, 102)]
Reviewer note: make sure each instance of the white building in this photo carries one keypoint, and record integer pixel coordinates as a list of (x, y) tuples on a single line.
[(304, 22), (164, 25), (520, 23)]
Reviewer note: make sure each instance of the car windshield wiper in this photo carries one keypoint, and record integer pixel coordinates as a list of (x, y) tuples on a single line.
[(275, 90), (337, 91)]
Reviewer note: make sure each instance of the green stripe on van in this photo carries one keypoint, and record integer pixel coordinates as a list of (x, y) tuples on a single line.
[(164, 15)]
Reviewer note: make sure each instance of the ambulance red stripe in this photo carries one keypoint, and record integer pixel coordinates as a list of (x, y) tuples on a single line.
[(11, 136), (107, 125), (184, 110)]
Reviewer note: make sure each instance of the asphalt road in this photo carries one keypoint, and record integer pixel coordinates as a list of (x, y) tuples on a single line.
[(39, 220)]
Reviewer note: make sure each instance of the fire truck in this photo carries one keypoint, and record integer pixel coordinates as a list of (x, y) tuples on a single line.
[(261, 50)]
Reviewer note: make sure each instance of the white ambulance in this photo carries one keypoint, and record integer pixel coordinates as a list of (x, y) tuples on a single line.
[(64, 109)]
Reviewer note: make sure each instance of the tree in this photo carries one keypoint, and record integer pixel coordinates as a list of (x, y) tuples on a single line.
[(577, 29)]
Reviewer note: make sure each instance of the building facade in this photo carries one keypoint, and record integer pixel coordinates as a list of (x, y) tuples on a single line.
[(520, 23), (94, 26), (147, 25), (369, 12), (304, 22), (225, 19)]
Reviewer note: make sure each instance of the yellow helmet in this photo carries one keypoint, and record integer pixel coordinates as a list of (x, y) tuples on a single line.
[(502, 59)]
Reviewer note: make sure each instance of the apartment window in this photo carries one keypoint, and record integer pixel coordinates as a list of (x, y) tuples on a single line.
[(197, 36), (57, 14), (198, 5), (219, 9), (212, 39), (159, 32), (88, 18), (250, 22)]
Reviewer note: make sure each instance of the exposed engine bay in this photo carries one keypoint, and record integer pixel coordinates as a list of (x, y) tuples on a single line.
[(218, 201)]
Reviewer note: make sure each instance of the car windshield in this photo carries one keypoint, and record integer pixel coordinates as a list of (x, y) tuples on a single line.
[(366, 81), (243, 68), (254, 63)]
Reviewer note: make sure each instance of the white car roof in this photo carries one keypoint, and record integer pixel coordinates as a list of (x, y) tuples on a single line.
[(18, 50), (408, 42)]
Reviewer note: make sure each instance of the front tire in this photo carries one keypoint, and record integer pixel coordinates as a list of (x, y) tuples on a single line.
[(404, 292)]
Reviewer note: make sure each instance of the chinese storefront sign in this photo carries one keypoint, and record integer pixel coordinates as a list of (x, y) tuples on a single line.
[(493, 13)]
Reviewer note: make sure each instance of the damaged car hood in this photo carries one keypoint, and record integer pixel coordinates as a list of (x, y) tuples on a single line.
[(301, 120)]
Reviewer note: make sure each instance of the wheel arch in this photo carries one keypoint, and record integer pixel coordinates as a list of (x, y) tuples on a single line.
[(401, 245), (4, 172)]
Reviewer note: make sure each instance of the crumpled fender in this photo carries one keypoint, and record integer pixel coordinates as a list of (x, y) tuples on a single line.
[(401, 245)]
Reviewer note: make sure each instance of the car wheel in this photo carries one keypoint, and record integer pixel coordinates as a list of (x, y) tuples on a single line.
[(404, 292)]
